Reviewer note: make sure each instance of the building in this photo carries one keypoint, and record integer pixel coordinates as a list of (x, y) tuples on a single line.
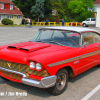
[(97, 4), (8, 10)]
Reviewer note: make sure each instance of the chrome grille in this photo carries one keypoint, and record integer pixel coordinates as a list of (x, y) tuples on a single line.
[(12, 75), (22, 68)]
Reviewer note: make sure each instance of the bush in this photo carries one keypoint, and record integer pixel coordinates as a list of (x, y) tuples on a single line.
[(7, 21)]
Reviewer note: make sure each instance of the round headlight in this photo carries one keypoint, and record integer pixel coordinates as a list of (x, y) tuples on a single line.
[(32, 65), (38, 66)]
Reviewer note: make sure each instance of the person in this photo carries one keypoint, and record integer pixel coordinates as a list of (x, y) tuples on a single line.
[(29, 22), (62, 22)]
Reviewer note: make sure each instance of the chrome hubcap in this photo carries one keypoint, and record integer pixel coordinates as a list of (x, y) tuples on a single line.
[(61, 81)]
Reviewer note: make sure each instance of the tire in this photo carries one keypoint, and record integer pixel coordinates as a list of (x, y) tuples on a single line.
[(4, 78), (61, 82), (84, 25)]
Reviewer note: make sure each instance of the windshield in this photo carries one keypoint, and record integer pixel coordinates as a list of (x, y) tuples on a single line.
[(58, 37)]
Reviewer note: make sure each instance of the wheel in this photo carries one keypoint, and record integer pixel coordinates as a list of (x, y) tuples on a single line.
[(84, 25), (61, 82)]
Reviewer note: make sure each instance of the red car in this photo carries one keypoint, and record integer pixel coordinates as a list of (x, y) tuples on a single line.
[(51, 57), (75, 24)]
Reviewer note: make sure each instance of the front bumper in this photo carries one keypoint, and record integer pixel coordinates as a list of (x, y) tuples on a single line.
[(45, 82)]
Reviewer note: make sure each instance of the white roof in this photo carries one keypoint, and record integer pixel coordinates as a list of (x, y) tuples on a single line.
[(70, 28)]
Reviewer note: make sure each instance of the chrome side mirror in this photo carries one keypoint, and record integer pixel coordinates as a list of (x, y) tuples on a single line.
[(85, 44)]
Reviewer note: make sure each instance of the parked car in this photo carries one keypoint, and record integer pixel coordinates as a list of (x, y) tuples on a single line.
[(88, 22), (75, 23), (51, 57), (46, 21)]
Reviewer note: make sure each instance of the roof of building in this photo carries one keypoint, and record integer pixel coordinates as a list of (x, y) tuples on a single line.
[(97, 2), (15, 10), (70, 28), (6, 1)]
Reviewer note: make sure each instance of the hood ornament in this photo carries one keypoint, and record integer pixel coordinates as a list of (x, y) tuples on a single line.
[(9, 64)]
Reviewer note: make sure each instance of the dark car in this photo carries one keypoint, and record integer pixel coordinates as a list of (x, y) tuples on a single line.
[(46, 21)]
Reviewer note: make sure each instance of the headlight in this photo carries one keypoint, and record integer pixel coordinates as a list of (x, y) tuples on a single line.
[(38, 66), (32, 65)]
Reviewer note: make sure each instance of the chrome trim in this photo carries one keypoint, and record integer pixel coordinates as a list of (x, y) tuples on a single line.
[(74, 58), (16, 72), (45, 82), (64, 61)]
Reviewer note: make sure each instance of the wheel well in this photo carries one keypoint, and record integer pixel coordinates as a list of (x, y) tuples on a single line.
[(70, 71)]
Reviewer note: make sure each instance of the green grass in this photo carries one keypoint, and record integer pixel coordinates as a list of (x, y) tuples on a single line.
[(11, 25), (24, 25)]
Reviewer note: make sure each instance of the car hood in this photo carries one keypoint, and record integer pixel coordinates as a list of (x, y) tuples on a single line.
[(21, 52)]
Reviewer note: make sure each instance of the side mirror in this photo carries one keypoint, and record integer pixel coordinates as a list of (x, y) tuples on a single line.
[(85, 44)]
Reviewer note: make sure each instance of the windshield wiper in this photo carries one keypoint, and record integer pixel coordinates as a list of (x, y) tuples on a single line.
[(56, 43)]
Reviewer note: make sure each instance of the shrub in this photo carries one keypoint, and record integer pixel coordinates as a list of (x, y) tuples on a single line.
[(7, 21)]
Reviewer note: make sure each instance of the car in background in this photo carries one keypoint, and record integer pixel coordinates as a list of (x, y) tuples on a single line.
[(89, 22), (74, 24), (52, 56), (45, 21)]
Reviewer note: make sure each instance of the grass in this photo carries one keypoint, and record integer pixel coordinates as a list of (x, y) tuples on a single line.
[(24, 25), (11, 25)]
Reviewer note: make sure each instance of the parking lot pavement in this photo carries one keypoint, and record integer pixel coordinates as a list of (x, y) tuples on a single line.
[(78, 88)]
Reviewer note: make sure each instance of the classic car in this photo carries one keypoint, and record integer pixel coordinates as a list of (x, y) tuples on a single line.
[(51, 57)]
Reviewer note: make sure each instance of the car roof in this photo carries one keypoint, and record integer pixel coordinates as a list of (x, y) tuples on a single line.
[(70, 28)]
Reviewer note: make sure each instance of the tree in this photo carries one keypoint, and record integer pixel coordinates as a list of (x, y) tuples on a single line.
[(48, 9), (25, 6), (79, 9), (58, 6), (38, 9)]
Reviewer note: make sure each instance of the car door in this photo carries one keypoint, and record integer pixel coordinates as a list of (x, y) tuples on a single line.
[(88, 54), (88, 21)]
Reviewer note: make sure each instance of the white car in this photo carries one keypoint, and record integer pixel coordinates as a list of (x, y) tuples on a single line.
[(89, 21)]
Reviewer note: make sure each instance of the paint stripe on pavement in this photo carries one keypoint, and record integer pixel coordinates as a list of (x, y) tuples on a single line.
[(91, 93)]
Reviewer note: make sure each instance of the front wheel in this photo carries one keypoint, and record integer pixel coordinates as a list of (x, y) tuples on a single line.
[(61, 82)]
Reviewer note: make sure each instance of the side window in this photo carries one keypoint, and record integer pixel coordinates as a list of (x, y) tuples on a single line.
[(88, 19), (93, 19), (96, 37), (57, 34), (46, 35), (88, 37)]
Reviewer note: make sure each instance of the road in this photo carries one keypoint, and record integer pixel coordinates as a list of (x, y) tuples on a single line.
[(82, 87)]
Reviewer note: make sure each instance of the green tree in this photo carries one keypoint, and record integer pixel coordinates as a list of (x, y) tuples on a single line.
[(38, 9), (25, 6), (48, 10), (79, 9), (58, 6)]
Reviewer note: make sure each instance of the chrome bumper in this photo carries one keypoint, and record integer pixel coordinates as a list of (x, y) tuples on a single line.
[(45, 82)]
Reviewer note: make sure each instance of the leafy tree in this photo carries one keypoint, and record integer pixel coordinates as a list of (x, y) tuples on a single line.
[(79, 9), (76, 7), (24, 6), (58, 6), (48, 9), (38, 9)]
